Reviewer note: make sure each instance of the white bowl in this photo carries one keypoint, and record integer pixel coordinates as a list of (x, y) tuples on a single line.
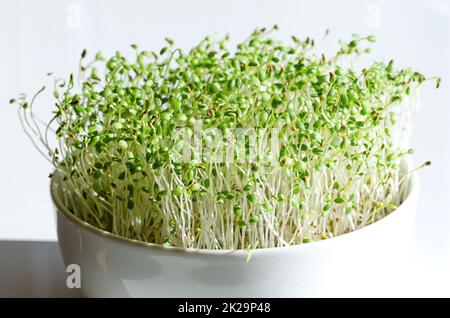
[(112, 266)]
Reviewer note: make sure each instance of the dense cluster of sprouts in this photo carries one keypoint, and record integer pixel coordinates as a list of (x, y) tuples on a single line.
[(263, 146)]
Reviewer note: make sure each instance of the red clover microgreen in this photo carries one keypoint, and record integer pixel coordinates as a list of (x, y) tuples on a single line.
[(336, 168)]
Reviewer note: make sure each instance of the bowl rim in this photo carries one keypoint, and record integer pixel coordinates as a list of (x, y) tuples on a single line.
[(413, 186)]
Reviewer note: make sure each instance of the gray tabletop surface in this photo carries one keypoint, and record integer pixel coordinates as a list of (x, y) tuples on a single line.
[(32, 269)]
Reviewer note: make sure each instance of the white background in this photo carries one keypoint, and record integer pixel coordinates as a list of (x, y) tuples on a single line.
[(41, 36)]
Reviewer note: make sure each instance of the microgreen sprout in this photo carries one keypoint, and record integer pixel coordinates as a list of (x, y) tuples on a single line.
[(336, 168)]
